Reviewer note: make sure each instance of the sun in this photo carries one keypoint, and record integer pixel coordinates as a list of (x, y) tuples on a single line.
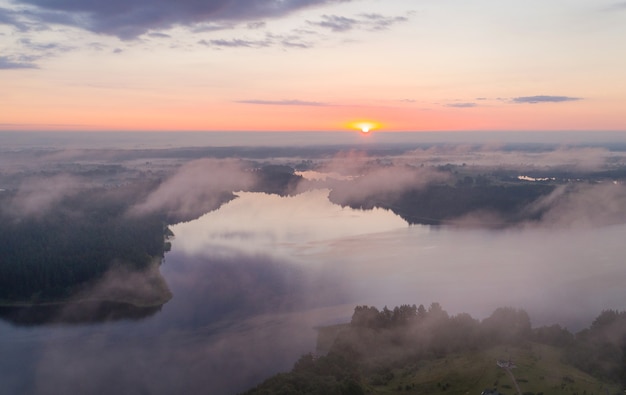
[(365, 127)]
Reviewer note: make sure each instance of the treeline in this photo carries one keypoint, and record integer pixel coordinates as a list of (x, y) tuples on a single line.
[(49, 255), (437, 204), (600, 350), (366, 351), (416, 332)]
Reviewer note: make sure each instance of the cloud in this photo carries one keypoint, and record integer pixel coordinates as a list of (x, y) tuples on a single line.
[(372, 22), (296, 44), (461, 105), (196, 188), (256, 25), (284, 103), (210, 27), (289, 41), (36, 50), (11, 18), (128, 19), (158, 35), (381, 22), (544, 99), (620, 6), (236, 43), (36, 19), (7, 63), (270, 40), (45, 48), (336, 23)]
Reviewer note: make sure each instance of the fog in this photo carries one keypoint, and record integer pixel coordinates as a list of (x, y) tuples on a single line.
[(233, 321), (133, 140), (561, 157), (252, 277), (198, 186), (584, 206), (564, 276), (38, 195)]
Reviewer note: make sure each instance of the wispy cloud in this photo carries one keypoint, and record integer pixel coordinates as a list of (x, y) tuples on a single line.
[(7, 63), (619, 6), (296, 44), (284, 103), (236, 43), (128, 19), (289, 40), (11, 18), (44, 48), (210, 27), (461, 105), (382, 22), (158, 35), (30, 53), (270, 40), (27, 19), (256, 25), (372, 22), (544, 99), (336, 23)]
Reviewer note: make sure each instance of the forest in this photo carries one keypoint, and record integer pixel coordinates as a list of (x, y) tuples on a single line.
[(416, 350), (55, 254)]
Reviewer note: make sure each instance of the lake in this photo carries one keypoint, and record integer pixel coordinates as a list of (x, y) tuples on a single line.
[(252, 280)]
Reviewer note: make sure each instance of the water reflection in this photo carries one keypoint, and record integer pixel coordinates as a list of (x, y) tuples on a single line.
[(252, 280), (263, 223), (75, 313)]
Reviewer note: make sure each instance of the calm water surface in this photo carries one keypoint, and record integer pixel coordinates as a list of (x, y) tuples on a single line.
[(253, 279)]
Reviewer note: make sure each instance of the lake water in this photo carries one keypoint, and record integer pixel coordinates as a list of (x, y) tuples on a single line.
[(253, 279)]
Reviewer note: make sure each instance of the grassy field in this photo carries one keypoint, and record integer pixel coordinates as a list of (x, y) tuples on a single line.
[(539, 370)]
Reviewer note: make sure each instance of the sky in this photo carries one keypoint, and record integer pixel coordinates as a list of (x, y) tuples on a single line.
[(312, 65)]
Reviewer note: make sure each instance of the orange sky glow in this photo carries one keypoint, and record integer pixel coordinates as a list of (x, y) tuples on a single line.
[(402, 66)]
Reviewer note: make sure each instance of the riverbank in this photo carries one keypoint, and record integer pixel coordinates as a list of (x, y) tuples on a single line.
[(120, 286)]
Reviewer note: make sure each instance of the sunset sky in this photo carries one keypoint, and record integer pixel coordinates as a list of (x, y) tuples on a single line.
[(407, 65)]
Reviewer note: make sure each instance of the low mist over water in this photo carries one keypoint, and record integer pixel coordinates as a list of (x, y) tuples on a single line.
[(254, 276), (563, 276), (253, 279)]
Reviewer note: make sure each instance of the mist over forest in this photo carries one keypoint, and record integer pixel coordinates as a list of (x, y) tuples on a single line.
[(212, 245)]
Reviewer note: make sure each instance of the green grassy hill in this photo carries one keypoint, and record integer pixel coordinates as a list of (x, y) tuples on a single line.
[(539, 371), (411, 350)]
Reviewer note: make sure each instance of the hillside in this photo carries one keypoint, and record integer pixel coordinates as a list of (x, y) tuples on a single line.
[(412, 350)]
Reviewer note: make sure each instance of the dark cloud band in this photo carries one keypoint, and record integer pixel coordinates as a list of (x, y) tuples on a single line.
[(7, 63), (544, 99), (128, 19)]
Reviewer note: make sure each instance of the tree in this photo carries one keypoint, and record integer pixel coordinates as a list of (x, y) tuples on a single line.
[(508, 325)]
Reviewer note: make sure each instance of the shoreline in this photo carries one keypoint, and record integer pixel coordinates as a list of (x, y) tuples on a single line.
[(117, 286)]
